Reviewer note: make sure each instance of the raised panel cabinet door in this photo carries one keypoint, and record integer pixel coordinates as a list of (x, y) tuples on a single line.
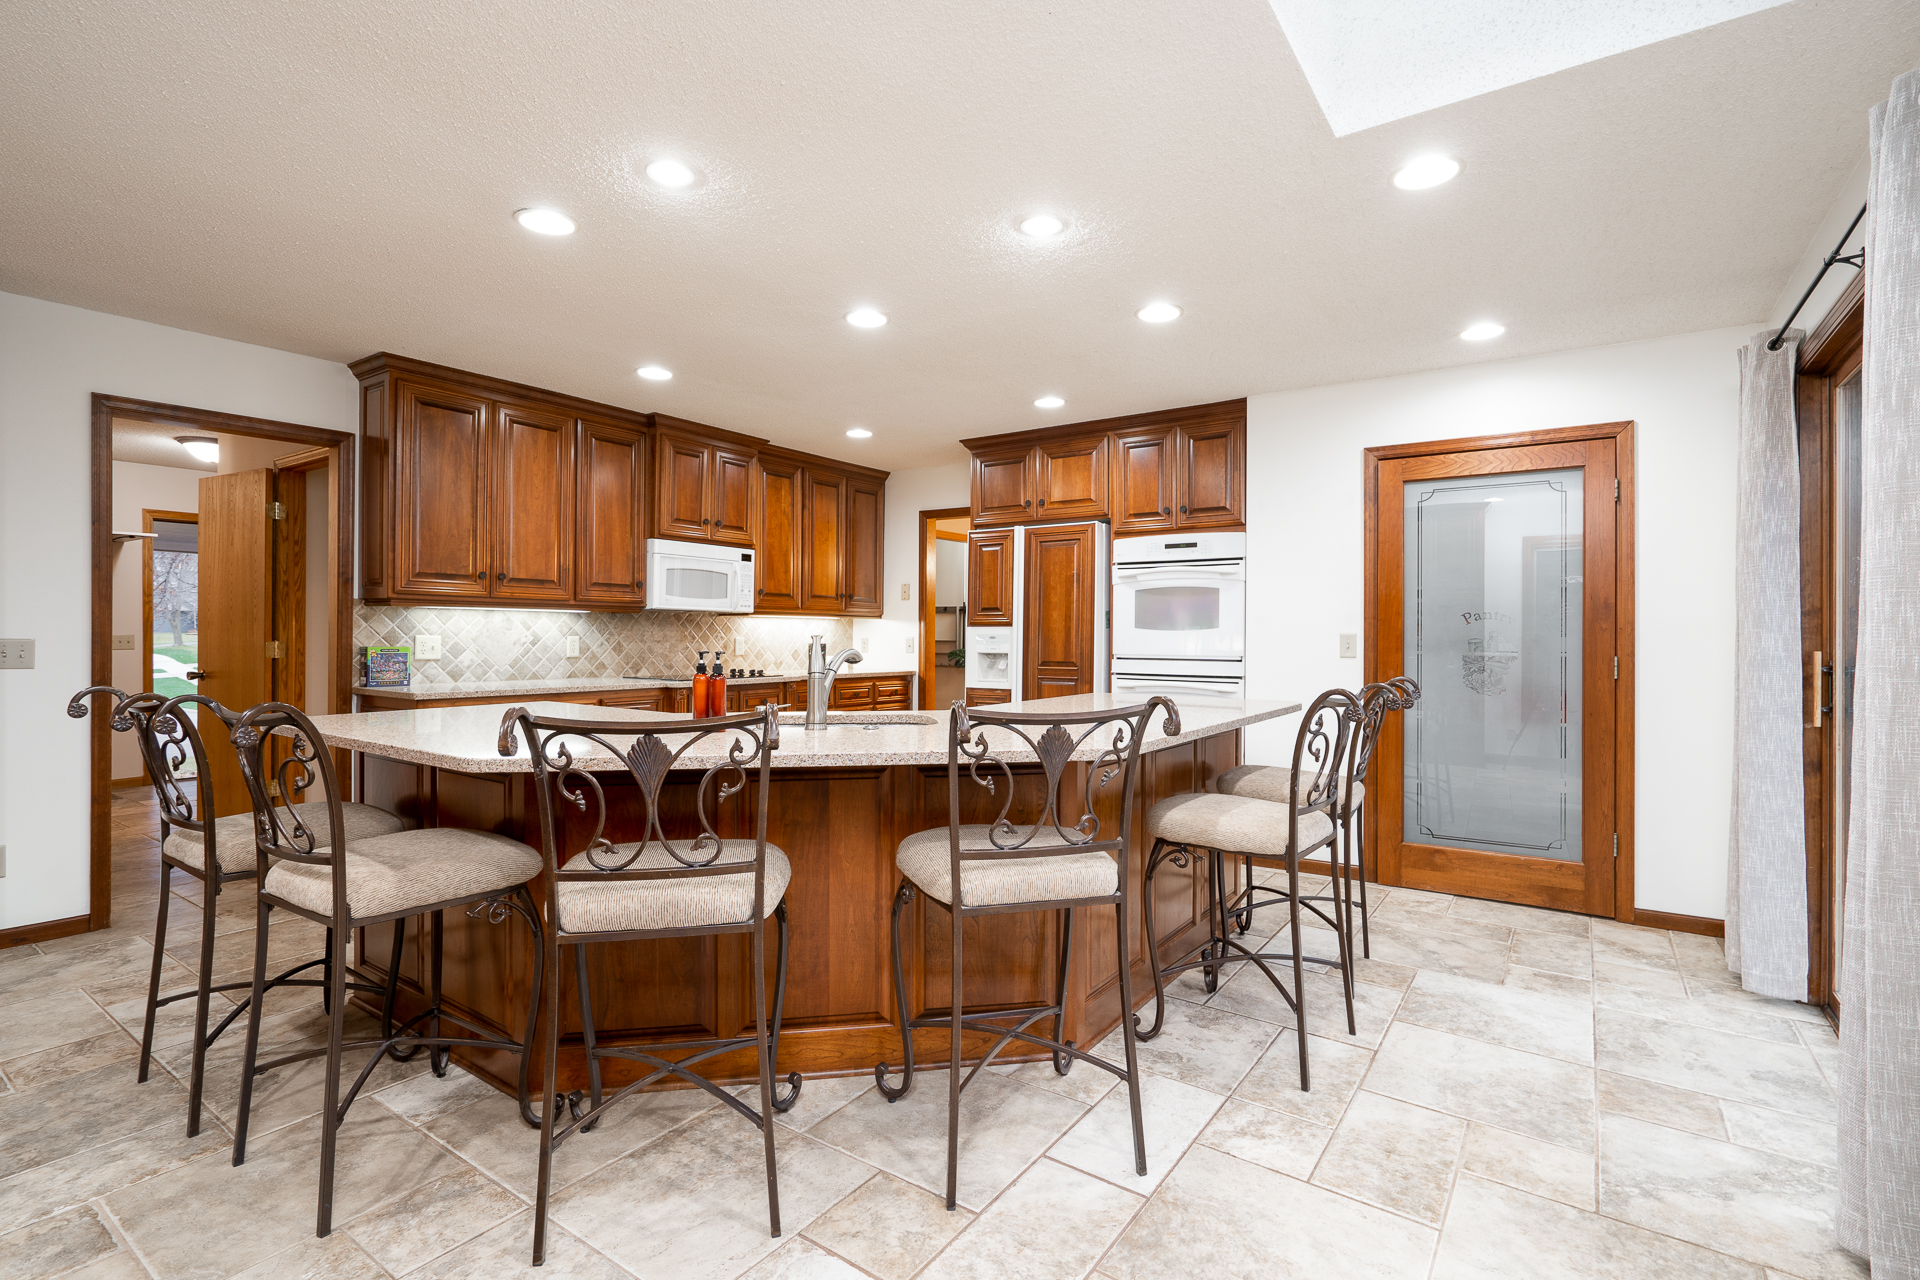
[(866, 532), (610, 543), (1212, 483), (990, 578), (1141, 464), (1003, 486), (825, 529), (533, 483), (731, 504), (1071, 478), (443, 493), (777, 567), (682, 478), (1057, 641)]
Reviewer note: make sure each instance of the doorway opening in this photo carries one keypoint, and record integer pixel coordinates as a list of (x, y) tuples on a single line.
[(222, 569), (943, 606)]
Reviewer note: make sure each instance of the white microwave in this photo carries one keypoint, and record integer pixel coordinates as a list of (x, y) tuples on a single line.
[(698, 577)]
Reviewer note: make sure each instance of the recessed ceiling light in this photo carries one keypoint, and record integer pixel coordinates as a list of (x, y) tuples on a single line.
[(1049, 402), (1042, 226), (1426, 171), (1482, 331), (670, 173), (654, 373), (202, 448), (1158, 312), (865, 318), (859, 433), (546, 221)]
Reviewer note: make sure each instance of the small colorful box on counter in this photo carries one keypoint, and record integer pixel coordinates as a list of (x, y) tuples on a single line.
[(386, 668)]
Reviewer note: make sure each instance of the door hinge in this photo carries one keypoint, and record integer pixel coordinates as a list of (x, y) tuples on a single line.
[(273, 649), (1616, 491), (1616, 844), (273, 789), (276, 511), (1616, 666)]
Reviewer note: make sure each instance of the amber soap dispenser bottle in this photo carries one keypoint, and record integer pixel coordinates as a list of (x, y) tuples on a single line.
[(717, 685), (698, 704)]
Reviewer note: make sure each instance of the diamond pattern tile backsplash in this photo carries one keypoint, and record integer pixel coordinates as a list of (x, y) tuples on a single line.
[(527, 644)]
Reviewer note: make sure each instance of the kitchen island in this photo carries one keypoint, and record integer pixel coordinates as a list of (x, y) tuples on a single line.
[(841, 801)]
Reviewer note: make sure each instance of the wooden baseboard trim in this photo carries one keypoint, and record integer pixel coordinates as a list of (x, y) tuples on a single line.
[(138, 780), (46, 931), (1676, 923)]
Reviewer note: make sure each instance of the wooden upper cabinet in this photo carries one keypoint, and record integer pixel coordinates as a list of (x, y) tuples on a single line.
[(442, 539), (1143, 480), (1057, 640), (1070, 478), (730, 507), (610, 542), (778, 565), (1003, 485), (683, 470), (866, 529), (533, 484), (1211, 484), (824, 523), (990, 578)]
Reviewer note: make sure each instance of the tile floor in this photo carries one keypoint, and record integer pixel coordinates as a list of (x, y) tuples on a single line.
[(1529, 1095)]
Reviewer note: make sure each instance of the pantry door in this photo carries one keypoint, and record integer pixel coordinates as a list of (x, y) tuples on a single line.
[(1496, 575)]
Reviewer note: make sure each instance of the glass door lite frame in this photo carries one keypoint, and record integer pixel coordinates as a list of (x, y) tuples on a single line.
[(1601, 883)]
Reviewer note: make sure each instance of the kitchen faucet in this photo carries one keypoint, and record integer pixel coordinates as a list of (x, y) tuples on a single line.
[(820, 676)]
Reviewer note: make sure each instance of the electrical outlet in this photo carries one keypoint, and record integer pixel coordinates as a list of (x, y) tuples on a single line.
[(426, 648), (1349, 645), (16, 654), (906, 591), (866, 644), (126, 643), (573, 646)]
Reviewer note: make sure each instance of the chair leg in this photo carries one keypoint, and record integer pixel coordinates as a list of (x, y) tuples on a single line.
[(326, 977), (900, 900), (330, 1116), (259, 997), (1244, 867), (1299, 976), (1153, 952), (531, 911), (1126, 1023), (1063, 1062), (1216, 942), (764, 1048), (1360, 856), (953, 1064), (588, 1041), (794, 1079), (438, 1055), (393, 991), (196, 1081), (153, 980), (550, 1101)]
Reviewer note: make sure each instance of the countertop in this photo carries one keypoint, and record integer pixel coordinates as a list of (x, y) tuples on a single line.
[(465, 739), (592, 684)]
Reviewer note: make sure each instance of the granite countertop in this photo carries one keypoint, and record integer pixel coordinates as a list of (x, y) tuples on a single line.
[(465, 739), (590, 684)]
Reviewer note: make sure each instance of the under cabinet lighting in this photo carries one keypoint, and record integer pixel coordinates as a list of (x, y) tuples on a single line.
[(866, 318), (1482, 331), (201, 448), (1049, 402), (1158, 312), (547, 222), (670, 173), (654, 373), (1422, 172)]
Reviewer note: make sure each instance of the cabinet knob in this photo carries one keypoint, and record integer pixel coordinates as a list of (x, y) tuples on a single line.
[(480, 577), (501, 576), (1043, 502), (1027, 502), (1183, 511), (1166, 511)]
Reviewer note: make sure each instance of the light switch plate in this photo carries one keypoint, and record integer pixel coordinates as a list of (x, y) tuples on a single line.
[(1349, 645), (17, 654), (573, 646), (3, 862), (906, 591), (909, 645), (126, 643), (866, 644), (426, 648)]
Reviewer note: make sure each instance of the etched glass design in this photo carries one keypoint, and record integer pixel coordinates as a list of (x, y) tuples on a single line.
[(1493, 618)]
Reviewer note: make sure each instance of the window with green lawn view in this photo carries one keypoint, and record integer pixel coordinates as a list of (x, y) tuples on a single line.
[(176, 605)]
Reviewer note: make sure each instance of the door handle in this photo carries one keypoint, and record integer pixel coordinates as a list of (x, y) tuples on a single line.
[(1822, 689), (196, 674)]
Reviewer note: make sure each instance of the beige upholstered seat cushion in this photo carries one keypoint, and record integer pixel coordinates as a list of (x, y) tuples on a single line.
[(233, 834), (1232, 824), (685, 902), (925, 858), (391, 873), (1269, 782)]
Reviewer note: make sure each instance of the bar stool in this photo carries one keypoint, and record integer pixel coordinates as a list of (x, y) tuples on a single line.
[(1262, 832), (213, 850), (703, 885), (1001, 867), (367, 882), (1271, 782)]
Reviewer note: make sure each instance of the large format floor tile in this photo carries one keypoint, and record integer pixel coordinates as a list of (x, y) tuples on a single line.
[(1053, 1221), (1781, 1076), (891, 1228), (1393, 1154), (1172, 1116), (1538, 1012), (1542, 1097)]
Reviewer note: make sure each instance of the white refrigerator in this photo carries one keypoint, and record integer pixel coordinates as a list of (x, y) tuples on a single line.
[(995, 654)]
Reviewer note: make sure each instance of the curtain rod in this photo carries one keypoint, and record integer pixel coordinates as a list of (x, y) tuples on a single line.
[(1857, 258)]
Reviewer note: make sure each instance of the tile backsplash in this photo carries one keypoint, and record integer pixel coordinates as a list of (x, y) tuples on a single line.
[(528, 644)]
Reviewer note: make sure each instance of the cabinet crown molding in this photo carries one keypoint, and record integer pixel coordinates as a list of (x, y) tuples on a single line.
[(1189, 415)]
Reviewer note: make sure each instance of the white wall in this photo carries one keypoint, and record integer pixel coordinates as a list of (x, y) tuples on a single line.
[(1846, 203), (52, 359), (137, 488), (1304, 521), (890, 637)]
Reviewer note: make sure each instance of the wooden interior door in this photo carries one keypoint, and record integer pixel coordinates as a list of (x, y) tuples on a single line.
[(1057, 645), (236, 616), (610, 545), (533, 484), (1494, 579), (777, 568)]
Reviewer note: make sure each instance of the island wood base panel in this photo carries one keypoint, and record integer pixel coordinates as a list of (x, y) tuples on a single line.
[(840, 828)]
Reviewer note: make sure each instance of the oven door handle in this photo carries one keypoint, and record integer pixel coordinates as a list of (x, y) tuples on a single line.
[(1180, 572), (1196, 682)]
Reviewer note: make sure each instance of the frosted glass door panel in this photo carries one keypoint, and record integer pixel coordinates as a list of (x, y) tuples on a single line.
[(1493, 626)]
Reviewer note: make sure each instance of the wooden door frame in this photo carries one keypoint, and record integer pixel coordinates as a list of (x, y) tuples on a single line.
[(1379, 668), (106, 408), (147, 516), (928, 520)]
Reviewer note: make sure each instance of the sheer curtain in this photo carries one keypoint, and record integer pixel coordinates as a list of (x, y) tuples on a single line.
[(1767, 843), (1880, 967)]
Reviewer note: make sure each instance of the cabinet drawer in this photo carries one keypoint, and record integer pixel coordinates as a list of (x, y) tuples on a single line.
[(852, 695), (988, 697), (895, 693)]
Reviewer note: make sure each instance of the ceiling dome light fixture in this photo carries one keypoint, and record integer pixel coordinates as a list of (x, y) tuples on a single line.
[(1049, 402), (866, 318), (1426, 171), (654, 373), (1042, 226), (1482, 331), (1158, 312), (203, 448), (670, 173), (860, 433), (547, 222)]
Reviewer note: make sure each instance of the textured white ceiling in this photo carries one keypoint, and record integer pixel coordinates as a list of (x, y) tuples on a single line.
[(338, 177), (152, 444)]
